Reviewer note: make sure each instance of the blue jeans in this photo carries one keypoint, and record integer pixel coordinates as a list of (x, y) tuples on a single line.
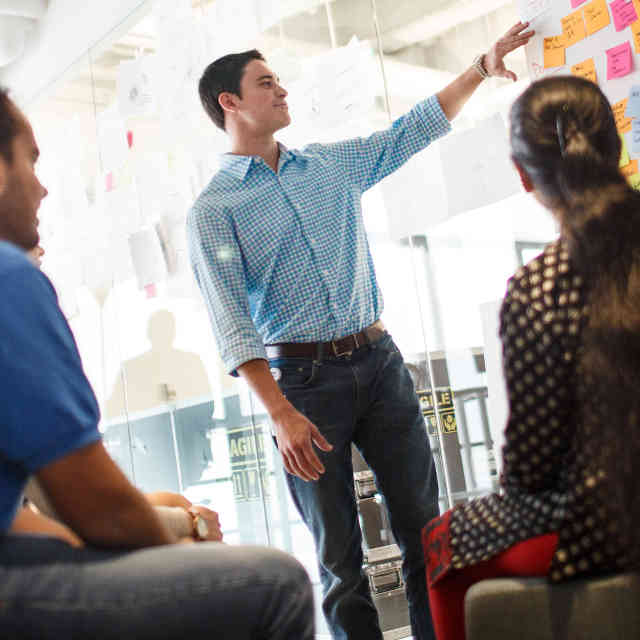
[(367, 398), (50, 590)]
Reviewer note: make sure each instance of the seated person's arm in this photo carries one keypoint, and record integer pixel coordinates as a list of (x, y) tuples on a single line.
[(95, 499), (27, 521)]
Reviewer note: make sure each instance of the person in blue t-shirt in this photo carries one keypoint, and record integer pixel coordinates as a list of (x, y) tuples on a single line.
[(95, 572)]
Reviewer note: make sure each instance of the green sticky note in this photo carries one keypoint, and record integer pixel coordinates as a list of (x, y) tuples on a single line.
[(624, 155), (634, 181)]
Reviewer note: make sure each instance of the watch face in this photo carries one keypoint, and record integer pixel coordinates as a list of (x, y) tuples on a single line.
[(202, 530)]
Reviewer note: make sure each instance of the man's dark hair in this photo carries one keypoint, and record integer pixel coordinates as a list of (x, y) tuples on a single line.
[(224, 74), (9, 124)]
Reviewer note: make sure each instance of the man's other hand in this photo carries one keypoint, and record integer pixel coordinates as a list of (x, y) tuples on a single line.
[(296, 436)]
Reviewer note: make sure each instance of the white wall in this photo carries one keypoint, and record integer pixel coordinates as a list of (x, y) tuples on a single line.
[(69, 29)]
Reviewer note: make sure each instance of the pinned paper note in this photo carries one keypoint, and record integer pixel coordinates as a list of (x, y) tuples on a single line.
[(633, 105), (634, 181), (635, 136), (624, 14), (635, 32), (622, 122), (619, 61), (586, 69), (530, 9), (576, 3), (554, 51), (596, 16), (573, 28), (624, 153), (630, 169)]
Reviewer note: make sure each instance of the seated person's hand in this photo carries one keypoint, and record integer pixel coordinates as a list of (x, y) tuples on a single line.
[(168, 499), (212, 520)]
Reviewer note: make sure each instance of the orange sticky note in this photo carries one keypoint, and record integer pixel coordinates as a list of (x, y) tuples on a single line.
[(554, 51), (573, 28), (630, 169), (622, 122), (586, 69), (635, 32), (596, 16)]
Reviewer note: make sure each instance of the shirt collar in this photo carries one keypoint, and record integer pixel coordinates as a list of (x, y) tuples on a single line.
[(238, 166)]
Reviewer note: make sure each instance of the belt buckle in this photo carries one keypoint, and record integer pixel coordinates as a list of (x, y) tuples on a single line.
[(340, 354)]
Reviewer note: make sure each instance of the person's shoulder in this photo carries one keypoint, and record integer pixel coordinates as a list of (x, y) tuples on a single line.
[(13, 258), (531, 274), (213, 198)]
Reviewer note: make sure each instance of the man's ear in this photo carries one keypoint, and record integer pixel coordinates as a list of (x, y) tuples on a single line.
[(524, 177), (228, 101)]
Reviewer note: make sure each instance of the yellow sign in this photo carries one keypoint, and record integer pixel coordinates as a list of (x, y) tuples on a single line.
[(446, 417), (249, 472)]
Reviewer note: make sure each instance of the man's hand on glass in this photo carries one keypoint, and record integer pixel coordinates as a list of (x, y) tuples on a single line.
[(296, 436)]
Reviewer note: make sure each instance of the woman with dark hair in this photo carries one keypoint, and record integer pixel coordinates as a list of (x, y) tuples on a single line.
[(570, 328)]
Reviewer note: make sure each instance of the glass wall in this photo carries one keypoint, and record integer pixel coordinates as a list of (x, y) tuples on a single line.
[(126, 149)]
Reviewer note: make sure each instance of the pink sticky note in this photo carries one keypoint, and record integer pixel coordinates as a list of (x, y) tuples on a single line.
[(576, 3), (624, 13), (619, 61)]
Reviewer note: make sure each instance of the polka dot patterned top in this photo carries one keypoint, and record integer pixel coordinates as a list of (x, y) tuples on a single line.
[(547, 484)]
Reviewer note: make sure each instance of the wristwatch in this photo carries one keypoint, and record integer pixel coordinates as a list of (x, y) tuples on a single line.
[(478, 65), (200, 526)]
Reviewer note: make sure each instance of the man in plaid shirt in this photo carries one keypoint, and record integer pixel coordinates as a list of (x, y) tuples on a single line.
[(279, 250)]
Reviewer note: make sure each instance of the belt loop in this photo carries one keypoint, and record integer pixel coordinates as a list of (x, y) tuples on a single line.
[(319, 350)]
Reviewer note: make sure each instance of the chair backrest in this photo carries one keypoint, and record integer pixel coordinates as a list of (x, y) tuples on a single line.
[(605, 608)]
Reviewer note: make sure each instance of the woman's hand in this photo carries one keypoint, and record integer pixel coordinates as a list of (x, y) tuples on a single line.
[(212, 520)]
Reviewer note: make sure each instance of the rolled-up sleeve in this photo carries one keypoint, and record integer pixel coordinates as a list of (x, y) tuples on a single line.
[(368, 160), (217, 264)]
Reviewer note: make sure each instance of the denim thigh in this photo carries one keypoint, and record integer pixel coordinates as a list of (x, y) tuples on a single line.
[(207, 590)]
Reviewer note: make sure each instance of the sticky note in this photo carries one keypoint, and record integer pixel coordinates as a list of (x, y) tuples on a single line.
[(635, 136), (624, 13), (586, 69), (619, 61), (635, 31), (624, 153), (596, 16), (634, 181), (633, 106), (622, 122), (554, 51), (573, 28), (576, 3), (630, 169)]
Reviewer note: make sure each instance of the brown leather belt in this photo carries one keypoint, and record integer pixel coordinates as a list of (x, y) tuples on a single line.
[(336, 348)]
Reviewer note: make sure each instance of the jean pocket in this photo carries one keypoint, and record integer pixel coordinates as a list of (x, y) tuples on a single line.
[(290, 373)]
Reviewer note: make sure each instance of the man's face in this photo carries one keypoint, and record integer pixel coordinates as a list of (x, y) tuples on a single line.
[(20, 190), (263, 106)]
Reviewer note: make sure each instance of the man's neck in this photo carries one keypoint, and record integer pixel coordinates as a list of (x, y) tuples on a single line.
[(267, 148)]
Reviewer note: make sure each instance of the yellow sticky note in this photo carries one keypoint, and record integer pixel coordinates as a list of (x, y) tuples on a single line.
[(596, 16), (554, 51), (573, 28), (634, 181), (635, 32), (586, 69), (630, 170), (624, 153), (622, 122)]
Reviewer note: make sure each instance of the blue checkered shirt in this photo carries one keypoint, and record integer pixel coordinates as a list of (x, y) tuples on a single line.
[(284, 257)]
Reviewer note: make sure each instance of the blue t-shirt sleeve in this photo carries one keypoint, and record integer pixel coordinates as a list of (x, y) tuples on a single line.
[(47, 406)]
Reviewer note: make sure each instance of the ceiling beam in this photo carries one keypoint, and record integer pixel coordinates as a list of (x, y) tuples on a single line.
[(430, 26)]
